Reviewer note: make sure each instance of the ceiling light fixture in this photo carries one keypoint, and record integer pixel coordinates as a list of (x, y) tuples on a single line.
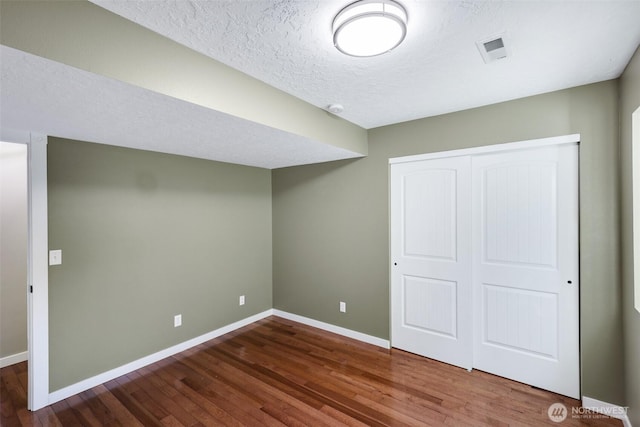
[(369, 27)]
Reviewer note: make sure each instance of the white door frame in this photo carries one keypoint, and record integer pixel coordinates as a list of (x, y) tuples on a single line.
[(37, 265), (495, 148), (38, 275)]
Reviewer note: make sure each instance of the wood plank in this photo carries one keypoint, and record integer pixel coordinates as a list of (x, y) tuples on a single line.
[(273, 398)]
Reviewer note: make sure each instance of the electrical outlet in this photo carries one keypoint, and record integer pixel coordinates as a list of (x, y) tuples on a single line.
[(343, 307), (177, 320), (241, 299)]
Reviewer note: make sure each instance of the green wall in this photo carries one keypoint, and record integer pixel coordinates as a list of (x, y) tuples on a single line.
[(331, 221), (146, 236), (629, 102)]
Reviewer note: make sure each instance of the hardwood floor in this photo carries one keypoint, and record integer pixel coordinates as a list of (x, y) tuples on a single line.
[(276, 372)]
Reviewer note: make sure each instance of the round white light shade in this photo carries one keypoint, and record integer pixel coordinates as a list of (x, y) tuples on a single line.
[(369, 27)]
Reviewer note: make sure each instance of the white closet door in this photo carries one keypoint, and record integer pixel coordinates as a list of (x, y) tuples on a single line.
[(525, 266), (431, 259)]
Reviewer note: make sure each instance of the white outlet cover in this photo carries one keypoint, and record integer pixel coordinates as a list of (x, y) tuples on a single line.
[(343, 307), (177, 320), (242, 300), (55, 257)]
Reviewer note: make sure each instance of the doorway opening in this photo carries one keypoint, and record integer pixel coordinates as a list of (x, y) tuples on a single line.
[(14, 250)]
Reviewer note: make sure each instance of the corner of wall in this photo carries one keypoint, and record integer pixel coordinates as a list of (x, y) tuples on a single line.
[(629, 101)]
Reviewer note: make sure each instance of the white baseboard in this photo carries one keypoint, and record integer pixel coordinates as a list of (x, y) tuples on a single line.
[(609, 409), (333, 328), (83, 385), (13, 359)]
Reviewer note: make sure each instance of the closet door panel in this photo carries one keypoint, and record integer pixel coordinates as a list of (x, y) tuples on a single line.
[(430, 272), (525, 269)]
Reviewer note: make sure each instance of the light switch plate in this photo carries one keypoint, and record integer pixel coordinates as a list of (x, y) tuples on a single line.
[(55, 257)]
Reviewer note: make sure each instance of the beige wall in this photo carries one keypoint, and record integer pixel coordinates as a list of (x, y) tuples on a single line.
[(145, 236), (331, 221), (13, 249), (629, 102)]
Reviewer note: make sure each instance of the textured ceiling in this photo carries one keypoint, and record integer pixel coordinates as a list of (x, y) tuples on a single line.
[(54, 99), (552, 45), (287, 43)]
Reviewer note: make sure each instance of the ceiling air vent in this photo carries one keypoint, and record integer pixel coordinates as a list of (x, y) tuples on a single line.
[(492, 48)]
